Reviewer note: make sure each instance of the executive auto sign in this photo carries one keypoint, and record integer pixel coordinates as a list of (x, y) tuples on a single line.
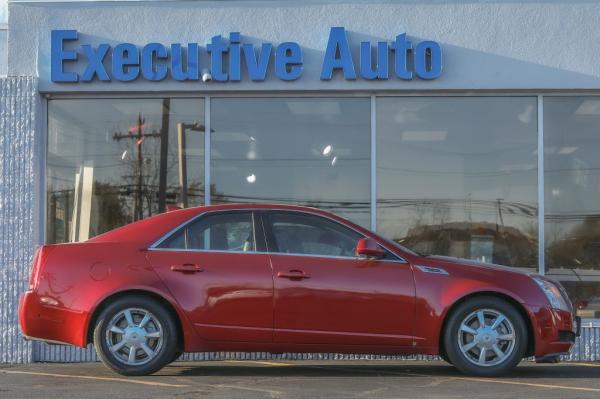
[(126, 62)]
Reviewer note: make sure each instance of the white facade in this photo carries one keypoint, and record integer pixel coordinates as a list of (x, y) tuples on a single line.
[(534, 48), (488, 45)]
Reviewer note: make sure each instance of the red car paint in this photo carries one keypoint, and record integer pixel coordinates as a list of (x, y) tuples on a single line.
[(271, 302)]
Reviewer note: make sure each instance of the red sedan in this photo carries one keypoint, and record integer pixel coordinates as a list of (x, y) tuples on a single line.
[(275, 278)]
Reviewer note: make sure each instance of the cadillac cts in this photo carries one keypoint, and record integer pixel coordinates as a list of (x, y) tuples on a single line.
[(275, 278)]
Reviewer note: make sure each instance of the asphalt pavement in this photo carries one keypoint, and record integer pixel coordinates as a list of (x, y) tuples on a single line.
[(299, 379)]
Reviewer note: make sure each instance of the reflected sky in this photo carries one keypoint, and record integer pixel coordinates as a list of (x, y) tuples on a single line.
[(310, 151), (458, 175), (102, 135), (572, 184)]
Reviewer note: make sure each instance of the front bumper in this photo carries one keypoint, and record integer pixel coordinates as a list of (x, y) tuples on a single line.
[(555, 331), (564, 336), (42, 319)]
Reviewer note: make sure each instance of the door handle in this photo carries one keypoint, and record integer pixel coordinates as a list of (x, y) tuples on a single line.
[(187, 268), (294, 274)]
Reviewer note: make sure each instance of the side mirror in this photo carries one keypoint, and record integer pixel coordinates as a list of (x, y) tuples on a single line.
[(368, 247)]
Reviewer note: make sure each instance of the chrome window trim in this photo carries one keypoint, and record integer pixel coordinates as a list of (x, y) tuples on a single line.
[(399, 260), (156, 244), (274, 253)]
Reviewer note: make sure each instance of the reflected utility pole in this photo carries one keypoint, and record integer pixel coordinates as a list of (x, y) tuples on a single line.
[(139, 137), (164, 152), (500, 211)]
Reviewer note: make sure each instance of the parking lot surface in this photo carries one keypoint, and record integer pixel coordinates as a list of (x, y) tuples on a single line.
[(299, 379)]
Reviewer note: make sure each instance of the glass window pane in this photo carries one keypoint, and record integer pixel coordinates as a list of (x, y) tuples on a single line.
[(457, 176), (222, 232), (227, 232), (176, 241), (572, 193), (312, 235), (309, 151), (114, 161)]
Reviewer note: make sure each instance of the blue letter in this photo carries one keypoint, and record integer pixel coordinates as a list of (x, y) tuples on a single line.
[(95, 65), (257, 69), (366, 66), (192, 72), (402, 46), (216, 49), (288, 61), (235, 68), (433, 51), (125, 62), (59, 55), (338, 42), (150, 52)]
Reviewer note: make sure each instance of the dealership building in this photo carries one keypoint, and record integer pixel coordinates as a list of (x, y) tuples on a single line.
[(462, 128)]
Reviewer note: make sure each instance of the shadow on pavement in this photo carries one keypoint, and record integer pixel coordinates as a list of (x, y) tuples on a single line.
[(524, 371)]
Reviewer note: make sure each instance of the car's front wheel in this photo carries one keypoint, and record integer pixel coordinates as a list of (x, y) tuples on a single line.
[(485, 336), (135, 335)]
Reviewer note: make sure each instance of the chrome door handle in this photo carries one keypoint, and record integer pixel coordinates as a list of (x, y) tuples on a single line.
[(293, 274), (187, 268)]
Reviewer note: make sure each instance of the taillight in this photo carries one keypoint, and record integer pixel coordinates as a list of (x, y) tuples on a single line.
[(38, 262)]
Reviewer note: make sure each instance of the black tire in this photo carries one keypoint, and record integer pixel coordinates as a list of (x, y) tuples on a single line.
[(445, 357), (176, 355), (164, 351), (461, 360)]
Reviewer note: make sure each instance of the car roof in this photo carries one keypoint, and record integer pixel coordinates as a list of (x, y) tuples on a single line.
[(146, 231)]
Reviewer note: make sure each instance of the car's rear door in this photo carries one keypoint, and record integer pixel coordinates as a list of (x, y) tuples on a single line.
[(217, 270), (324, 294)]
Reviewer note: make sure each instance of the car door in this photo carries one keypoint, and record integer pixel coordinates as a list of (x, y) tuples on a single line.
[(214, 271), (325, 294)]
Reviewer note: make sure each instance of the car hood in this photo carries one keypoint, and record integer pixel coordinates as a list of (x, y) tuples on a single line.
[(473, 263)]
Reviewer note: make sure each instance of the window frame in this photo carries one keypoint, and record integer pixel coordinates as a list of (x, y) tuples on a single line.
[(41, 208), (272, 246), (261, 234), (257, 234)]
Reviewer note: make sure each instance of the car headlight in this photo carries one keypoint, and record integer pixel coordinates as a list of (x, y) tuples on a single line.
[(553, 293)]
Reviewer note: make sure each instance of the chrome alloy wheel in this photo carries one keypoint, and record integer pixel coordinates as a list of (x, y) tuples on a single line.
[(134, 336), (486, 337)]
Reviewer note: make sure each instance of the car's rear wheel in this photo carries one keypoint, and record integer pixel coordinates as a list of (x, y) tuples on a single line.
[(135, 335), (485, 336)]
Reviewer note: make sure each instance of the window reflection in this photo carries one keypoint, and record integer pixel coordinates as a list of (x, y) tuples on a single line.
[(572, 185), (310, 151), (457, 176), (114, 161)]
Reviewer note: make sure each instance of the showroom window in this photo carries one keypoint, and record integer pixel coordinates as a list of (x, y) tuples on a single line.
[(113, 161), (308, 151), (572, 198), (457, 176)]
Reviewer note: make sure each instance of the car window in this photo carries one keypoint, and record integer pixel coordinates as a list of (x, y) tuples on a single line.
[(218, 232), (311, 235)]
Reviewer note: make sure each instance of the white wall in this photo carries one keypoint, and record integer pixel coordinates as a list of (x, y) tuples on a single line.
[(509, 45), (19, 199)]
